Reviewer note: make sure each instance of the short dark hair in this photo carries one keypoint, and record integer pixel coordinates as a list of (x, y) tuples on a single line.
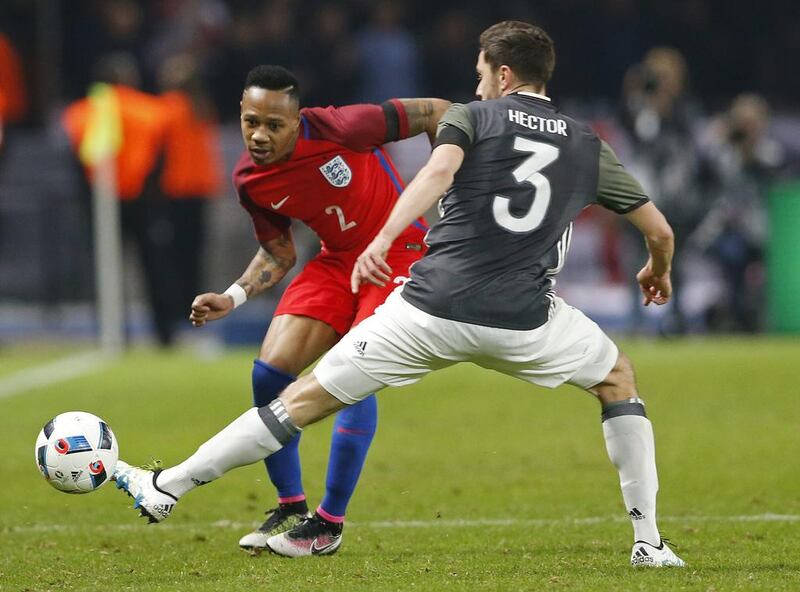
[(523, 47), (273, 78)]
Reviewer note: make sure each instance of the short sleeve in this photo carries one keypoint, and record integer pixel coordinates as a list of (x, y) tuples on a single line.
[(617, 190), (459, 117), (455, 127), (358, 127), (266, 224)]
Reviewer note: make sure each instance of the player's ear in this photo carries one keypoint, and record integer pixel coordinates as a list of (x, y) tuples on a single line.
[(506, 77)]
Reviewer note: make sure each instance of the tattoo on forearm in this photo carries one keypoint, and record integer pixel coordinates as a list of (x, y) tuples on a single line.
[(265, 277), (268, 266), (418, 112)]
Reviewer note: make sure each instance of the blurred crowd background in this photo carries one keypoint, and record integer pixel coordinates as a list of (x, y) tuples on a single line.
[(699, 98)]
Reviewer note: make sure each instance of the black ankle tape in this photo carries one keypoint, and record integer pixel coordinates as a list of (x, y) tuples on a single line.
[(277, 420), (632, 406)]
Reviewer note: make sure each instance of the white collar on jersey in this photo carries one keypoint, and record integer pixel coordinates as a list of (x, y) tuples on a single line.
[(532, 94)]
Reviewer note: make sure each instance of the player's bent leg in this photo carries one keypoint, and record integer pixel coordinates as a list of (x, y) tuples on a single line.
[(630, 445), (283, 467), (394, 347), (291, 344), (254, 435), (321, 534), (579, 352)]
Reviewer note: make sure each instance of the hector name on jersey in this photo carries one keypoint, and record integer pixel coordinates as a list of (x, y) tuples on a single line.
[(338, 181)]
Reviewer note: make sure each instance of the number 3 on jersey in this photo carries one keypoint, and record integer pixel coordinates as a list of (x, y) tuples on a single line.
[(541, 155)]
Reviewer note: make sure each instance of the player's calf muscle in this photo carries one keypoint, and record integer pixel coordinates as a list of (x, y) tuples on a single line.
[(619, 384)]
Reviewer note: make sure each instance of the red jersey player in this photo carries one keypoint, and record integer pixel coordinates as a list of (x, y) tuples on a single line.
[(325, 167)]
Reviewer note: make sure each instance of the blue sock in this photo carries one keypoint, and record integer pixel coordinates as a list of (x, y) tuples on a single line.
[(352, 434), (283, 466)]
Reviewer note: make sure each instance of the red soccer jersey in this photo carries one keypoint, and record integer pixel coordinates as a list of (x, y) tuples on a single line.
[(338, 181)]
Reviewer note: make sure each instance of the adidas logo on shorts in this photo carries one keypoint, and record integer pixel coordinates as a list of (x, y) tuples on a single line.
[(360, 347)]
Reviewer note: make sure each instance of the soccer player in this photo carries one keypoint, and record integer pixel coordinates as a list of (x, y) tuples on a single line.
[(516, 172), (325, 167)]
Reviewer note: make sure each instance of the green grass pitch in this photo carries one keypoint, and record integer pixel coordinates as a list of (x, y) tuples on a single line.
[(474, 482)]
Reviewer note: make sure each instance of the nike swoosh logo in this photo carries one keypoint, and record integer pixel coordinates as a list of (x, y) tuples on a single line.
[(275, 206), (315, 550)]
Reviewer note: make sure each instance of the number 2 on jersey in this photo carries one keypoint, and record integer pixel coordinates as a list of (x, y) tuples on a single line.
[(541, 155), (344, 225)]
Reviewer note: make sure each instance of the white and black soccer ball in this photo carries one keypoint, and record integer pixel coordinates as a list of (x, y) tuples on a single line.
[(76, 452)]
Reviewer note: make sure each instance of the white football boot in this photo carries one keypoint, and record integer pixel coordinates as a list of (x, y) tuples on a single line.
[(313, 536), (278, 520), (153, 503), (646, 555)]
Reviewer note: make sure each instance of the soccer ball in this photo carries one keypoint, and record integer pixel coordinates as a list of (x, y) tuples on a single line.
[(76, 452)]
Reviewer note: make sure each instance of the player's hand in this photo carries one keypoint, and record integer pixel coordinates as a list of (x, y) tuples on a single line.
[(210, 307), (655, 288), (371, 265)]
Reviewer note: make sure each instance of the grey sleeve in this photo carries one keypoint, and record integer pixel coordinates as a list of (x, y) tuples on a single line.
[(617, 190), (458, 117)]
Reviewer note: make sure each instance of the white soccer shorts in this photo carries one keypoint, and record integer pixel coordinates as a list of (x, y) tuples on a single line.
[(400, 344)]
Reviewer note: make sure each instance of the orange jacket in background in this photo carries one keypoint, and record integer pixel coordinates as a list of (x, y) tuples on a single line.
[(144, 122), (192, 161), (13, 99)]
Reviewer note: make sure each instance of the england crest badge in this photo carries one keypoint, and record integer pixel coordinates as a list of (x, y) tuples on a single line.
[(337, 172)]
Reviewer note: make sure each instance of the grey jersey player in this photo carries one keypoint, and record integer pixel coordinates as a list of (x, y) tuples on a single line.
[(516, 173), (527, 173)]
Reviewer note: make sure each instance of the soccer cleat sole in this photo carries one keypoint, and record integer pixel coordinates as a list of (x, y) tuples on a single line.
[(253, 551), (145, 514)]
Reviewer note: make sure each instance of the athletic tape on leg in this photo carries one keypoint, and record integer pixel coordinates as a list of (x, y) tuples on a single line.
[(632, 406), (278, 422)]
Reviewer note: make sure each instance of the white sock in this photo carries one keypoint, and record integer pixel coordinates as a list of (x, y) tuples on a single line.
[(630, 446), (244, 441)]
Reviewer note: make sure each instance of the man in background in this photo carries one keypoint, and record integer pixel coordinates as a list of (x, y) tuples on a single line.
[(143, 126), (192, 173), (740, 161)]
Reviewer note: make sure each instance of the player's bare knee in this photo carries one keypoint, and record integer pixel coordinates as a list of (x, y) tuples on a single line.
[(276, 359), (284, 359), (307, 402)]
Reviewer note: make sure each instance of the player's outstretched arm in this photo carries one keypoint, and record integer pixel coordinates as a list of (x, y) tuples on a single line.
[(270, 264), (428, 186), (423, 115), (654, 279)]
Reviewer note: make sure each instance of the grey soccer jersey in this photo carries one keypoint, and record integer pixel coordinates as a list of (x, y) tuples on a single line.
[(528, 171)]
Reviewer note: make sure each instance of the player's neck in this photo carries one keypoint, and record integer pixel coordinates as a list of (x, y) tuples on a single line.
[(529, 88)]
